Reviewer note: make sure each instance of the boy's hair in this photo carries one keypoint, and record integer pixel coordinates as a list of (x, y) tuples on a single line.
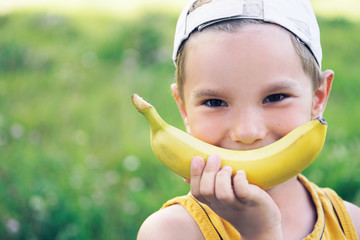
[(306, 40), (308, 61)]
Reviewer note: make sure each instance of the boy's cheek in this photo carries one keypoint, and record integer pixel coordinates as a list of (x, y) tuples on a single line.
[(291, 120), (209, 131)]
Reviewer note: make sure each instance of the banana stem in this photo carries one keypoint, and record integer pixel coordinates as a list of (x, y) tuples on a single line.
[(150, 113)]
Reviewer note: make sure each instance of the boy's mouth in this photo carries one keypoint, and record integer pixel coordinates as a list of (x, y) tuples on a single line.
[(243, 147), (247, 147)]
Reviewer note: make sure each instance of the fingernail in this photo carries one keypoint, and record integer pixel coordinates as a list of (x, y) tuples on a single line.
[(213, 158), (196, 161), (227, 168)]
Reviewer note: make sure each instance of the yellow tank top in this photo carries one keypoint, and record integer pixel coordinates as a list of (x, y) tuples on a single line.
[(333, 220)]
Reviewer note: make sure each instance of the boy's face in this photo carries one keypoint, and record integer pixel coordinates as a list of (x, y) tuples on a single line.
[(246, 89)]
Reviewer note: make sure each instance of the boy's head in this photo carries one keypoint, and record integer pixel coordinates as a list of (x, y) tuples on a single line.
[(296, 16)]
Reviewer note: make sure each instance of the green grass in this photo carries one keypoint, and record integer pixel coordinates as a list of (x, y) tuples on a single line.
[(75, 156)]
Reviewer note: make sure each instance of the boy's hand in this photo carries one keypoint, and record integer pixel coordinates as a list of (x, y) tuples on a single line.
[(247, 207)]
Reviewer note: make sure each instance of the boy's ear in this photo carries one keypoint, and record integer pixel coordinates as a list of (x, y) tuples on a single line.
[(181, 105), (322, 94)]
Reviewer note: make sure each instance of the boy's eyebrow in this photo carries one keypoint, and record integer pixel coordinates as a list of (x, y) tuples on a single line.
[(205, 93), (282, 85)]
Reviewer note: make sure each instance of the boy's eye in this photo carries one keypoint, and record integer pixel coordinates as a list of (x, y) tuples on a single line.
[(275, 98), (215, 103)]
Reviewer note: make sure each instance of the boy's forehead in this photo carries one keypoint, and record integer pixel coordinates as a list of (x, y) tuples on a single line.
[(296, 16), (255, 31), (235, 60), (246, 40)]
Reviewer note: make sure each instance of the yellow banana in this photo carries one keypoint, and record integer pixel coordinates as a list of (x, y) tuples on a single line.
[(266, 167)]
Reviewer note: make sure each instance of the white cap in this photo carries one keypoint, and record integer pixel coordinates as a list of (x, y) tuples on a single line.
[(295, 15)]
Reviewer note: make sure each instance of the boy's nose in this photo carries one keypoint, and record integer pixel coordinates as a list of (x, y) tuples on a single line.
[(248, 128)]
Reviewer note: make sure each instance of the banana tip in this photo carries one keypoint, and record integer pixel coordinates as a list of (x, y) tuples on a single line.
[(140, 104), (322, 120)]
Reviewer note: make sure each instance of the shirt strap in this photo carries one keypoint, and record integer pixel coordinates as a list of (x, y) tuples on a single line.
[(342, 214)]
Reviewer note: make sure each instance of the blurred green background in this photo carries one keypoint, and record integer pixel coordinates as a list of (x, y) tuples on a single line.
[(75, 156)]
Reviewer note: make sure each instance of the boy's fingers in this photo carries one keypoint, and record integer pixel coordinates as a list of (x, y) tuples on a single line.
[(242, 187), (197, 167), (223, 186), (207, 184), (186, 180)]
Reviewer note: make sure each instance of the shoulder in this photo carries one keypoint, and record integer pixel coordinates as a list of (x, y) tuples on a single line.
[(355, 215), (173, 222)]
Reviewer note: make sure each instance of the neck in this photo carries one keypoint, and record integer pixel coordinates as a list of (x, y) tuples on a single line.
[(285, 193), (298, 212)]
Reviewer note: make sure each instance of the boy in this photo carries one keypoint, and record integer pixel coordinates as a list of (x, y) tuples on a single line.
[(249, 72)]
